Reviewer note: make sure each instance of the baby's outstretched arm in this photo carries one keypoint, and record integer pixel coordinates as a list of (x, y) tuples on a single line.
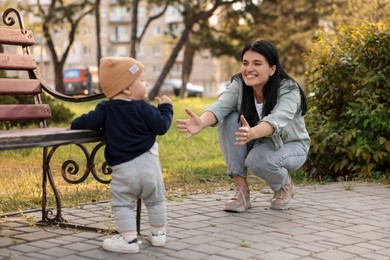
[(163, 100)]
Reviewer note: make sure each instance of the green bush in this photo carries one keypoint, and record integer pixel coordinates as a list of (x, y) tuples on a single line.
[(60, 113), (349, 117)]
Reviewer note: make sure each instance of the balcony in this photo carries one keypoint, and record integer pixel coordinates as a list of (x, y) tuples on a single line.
[(120, 39)]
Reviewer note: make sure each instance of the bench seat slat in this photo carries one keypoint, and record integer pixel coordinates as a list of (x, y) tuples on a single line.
[(17, 62), (14, 36), (10, 86), (24, 112), (46, 137)]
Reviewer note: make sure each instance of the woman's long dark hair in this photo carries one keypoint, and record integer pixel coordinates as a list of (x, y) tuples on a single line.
[(270, 89)]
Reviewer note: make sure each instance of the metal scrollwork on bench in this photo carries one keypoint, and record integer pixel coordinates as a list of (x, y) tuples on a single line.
[(70, 168), (105, 169), (9, 21)]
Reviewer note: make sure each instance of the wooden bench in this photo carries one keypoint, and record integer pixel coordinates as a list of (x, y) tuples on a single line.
[(40, 135)]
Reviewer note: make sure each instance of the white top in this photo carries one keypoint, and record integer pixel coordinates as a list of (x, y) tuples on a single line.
[(259, 108)]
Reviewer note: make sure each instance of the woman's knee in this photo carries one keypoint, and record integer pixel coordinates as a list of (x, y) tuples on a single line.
[(260, 165)]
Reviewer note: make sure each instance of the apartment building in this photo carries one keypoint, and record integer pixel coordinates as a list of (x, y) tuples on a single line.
[(153, 51)]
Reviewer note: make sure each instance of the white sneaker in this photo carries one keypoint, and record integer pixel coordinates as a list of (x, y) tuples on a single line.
[(157, 239), (118, 244)]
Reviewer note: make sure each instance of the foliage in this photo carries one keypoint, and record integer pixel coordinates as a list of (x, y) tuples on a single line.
[(291, 25), (349, 76), (60, 113), (352, 12)]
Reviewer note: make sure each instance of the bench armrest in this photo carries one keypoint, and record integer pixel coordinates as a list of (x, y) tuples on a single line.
[(51, 91)]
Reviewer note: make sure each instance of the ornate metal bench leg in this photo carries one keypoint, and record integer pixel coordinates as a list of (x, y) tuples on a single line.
[(71, 167), (46, 175)]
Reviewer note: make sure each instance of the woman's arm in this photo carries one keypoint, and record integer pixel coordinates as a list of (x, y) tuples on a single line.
[(195, 123), (283, 112), (245, 133)]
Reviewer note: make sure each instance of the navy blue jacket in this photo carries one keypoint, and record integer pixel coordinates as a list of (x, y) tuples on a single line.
[(129, 127)]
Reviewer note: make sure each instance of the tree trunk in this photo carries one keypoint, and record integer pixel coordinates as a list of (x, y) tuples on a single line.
[(98, 41), (98, 27), (189, 52), (169, 63), (134, 25)]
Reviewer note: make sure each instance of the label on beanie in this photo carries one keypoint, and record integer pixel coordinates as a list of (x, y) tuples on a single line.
[(133, 69)]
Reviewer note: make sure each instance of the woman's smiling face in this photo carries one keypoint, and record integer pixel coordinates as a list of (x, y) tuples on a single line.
[(255, 69)]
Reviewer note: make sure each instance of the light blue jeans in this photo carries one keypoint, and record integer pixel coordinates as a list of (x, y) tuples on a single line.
[(138, 178), (273, 166)]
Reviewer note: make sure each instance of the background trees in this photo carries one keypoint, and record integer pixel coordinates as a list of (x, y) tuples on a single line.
[(194, 14), (55, 17)]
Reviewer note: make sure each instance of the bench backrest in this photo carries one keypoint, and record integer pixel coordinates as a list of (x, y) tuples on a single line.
[(28, 85)]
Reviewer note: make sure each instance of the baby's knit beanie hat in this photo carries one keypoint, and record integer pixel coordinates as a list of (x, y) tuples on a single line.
[(117, 73)]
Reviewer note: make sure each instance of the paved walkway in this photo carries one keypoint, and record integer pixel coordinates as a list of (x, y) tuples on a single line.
[(333, 221)]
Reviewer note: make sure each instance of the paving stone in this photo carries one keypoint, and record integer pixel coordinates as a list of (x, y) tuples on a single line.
[(325, 222), (24, 248), (334, 255), (58, 251), (39, 256)]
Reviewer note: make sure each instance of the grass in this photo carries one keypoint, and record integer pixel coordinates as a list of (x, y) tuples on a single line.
[(189, 166)]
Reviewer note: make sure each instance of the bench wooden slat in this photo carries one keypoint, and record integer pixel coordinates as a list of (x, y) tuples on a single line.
[(9, 86), (17, 62), (14, 36), (24, 112), (45, 137)]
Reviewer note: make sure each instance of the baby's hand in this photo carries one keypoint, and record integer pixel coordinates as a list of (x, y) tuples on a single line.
[(163, 100)]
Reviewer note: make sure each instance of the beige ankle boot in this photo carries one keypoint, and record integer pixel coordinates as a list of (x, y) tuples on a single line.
[(240, 201), (283, 198)]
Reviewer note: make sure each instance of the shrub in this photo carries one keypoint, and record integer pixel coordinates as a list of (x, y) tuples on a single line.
[(349, 116)]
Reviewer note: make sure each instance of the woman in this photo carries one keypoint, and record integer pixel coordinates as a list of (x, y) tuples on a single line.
[(260, 119)]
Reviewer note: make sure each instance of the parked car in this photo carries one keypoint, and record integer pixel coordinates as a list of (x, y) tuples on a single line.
[(75, 81), (172, 87)]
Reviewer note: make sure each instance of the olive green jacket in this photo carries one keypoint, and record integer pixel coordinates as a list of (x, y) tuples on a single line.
[(285, 118)]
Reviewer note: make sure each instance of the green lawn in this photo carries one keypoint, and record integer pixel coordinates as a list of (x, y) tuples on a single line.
[(189, 166)]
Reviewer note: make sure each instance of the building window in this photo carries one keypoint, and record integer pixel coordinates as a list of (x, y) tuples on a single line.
[(121, 34), (156, 69), (120, 14), (121, 51), (141, 12), (87, 50), (139, 31), (156, 30), (141, 51), (176, 69), (156, 50)]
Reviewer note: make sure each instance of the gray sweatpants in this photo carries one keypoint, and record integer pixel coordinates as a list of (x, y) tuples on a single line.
[(273, 166), (138, 178)]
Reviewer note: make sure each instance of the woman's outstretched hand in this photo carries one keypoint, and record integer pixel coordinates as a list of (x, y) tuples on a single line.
[(244, 134), (191, 126)]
